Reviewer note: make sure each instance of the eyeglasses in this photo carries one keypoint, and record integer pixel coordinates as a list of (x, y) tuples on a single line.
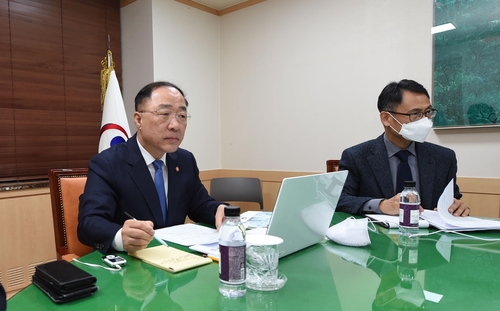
[(431, 113), (167, 115)]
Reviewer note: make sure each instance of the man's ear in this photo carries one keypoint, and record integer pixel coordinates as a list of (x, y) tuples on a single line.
[(137, 120), (385, 118)]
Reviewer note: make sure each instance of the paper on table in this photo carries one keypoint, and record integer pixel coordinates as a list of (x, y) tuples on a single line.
[(442, 219), (256, 219), (390, 221), (211, 249), (188, 234), (434, 297)]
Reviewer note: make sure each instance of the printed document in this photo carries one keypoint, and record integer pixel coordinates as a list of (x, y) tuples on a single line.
[(442, 219), (188, 234)]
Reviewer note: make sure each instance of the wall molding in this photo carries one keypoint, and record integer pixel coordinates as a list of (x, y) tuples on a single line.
[(210, 10)]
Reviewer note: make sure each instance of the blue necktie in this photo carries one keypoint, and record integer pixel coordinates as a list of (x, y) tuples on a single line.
[(160, 187), (404, 171)]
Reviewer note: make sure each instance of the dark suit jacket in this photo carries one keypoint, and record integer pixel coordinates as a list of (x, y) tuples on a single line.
[(370, 176), (119, 180)]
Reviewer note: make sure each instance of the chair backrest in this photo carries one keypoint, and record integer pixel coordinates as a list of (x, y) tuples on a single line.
[(66, 186), (332, 165), (241, 189)]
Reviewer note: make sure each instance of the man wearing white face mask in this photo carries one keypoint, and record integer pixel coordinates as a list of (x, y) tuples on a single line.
[(371, 186)]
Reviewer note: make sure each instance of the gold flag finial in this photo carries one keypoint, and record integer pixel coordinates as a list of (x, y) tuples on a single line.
[(107, 66)]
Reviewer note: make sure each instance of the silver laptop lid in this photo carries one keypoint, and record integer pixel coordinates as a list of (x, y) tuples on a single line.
[(304, 209)]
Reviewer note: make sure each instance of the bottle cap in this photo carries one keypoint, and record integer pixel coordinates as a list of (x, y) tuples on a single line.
[(410, 183), (231, 210)]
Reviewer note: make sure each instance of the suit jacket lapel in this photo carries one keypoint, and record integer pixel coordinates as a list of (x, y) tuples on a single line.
[(380, 166), (142, 178), (427, 169)]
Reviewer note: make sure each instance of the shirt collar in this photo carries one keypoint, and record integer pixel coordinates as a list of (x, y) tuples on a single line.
[(148, 158), (393, 149)]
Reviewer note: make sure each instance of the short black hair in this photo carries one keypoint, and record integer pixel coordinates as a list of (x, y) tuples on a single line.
[(392, 94), (145, 92)]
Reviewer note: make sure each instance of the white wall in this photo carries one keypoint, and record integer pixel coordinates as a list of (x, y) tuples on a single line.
[(299, 80), (184, 50), (137, 52)]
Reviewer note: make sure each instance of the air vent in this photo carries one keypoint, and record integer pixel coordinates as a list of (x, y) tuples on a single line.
[(15, 277)]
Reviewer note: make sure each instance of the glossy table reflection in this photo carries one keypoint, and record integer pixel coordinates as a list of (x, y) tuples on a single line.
[(390, 274)]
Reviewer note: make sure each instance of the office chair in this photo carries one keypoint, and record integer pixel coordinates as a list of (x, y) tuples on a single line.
[(66, 186), (240, 189), (332, 165)]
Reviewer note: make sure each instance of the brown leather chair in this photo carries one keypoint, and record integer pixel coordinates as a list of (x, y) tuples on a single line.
[(66, 186), (332, 165)]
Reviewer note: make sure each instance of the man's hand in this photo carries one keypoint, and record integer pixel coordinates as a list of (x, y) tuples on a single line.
[(458, 208), (219, 216), (137, 234), (391, 206)]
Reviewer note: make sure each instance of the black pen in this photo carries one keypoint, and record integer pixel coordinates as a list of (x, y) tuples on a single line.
[(155, 236)]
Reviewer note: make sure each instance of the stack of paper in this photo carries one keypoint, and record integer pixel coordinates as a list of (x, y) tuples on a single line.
[(443, 220)]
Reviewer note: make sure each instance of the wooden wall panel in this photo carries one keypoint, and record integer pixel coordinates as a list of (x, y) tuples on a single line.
[(482, 195), (483, 205), (27, 235)]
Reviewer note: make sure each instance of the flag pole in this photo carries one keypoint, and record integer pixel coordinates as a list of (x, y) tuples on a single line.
[(109, 49)]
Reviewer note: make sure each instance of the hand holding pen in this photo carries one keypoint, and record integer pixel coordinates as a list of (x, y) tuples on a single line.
[(137, 242)]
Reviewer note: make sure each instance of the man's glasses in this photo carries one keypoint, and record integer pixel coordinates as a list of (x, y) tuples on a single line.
[(414, 116), (167, 115)]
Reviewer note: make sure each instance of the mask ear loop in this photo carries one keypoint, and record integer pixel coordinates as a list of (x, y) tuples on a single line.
[(373, 227), (396, 121)]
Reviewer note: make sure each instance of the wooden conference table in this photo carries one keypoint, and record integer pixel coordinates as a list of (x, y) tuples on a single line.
[(390, 274)]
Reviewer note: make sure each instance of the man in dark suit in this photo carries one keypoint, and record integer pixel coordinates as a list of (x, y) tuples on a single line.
[(406, 114), (122, 178)]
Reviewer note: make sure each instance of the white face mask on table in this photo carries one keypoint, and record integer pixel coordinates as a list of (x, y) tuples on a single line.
[(351, 232)]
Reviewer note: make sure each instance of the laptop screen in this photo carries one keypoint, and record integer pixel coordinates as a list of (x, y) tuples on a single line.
[(304, 209)]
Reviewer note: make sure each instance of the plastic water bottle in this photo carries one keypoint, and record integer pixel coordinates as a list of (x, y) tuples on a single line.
[(232, 247), (409, 209)]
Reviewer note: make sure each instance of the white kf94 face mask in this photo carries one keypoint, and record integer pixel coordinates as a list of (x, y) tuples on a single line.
[(351, 232), (416, 130)]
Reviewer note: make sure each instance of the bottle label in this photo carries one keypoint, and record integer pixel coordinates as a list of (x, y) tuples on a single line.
[(409, 214), (232, 264)]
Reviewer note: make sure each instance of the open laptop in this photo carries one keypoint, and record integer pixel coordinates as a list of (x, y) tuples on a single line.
[(304, 210)]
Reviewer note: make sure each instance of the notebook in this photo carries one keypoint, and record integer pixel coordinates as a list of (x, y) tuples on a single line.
[(304, 210), (169, 258)]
